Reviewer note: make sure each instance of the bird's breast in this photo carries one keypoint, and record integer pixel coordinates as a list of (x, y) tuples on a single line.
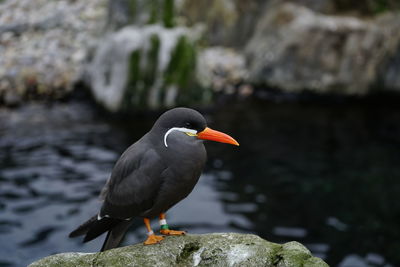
[(187, 158)]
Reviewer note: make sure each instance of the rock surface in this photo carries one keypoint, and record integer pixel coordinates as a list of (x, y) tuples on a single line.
[(221, 69), (232, 23), (195, 250), (44, 45), (47, 47), (294, 45), (296, 48)]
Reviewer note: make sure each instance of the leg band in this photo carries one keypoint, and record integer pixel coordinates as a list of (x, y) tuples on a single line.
[(164, 227), (150, 233), (163, 224)]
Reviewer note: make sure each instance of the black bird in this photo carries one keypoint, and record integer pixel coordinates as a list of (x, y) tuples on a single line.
[(152, 175)]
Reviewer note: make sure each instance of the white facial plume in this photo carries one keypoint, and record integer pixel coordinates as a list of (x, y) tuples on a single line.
[(185, 130)]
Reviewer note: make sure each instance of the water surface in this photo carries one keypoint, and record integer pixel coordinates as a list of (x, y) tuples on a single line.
[(325, 175)]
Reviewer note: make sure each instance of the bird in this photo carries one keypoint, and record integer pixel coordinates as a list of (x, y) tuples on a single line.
[(152, 175)]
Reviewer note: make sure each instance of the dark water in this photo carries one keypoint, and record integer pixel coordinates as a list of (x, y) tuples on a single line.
[(324, 175)]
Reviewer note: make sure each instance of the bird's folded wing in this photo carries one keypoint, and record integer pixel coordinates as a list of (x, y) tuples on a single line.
[(134, 183)]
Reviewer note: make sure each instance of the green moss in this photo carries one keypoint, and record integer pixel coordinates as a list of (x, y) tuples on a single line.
[(150, 73), (168, 14), (379, 6), (154, 9), (141, 79), (161, 11), (133, 91), (368, 7), (181, 70), (132, 5), (314, 262), (188, 250), (147, 87), (180, 73)]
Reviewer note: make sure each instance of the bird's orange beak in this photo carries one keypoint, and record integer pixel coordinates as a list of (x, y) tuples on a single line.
[(213, 135)]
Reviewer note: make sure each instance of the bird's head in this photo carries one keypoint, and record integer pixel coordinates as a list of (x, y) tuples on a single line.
[(192, 123)]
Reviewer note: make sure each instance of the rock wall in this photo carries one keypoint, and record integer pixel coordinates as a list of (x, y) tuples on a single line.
[(295, 48), (44, 45), (305, 44), (191, 50), (195, 250), (227, 22)]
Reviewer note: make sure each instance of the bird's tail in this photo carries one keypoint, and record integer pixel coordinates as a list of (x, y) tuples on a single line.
[(84, 228), (115, 235), (94, 227)]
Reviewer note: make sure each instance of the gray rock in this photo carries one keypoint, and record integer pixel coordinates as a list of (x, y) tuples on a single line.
[(44, 44), (323, 6), (389, 75), (135, 12), (231, 23), (221, 68), (295, 48), (227, 22), (228, 249)]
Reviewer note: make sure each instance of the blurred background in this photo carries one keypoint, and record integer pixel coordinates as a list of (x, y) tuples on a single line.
[(309, 88)]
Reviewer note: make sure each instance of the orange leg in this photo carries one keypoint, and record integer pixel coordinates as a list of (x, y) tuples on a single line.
[(152, 238), (165, 228)]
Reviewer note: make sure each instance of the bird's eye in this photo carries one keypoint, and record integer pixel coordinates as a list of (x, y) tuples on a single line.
[(188, 125)]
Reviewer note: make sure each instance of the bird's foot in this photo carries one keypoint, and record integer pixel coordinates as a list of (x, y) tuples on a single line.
[(172, 232), (153, 239)]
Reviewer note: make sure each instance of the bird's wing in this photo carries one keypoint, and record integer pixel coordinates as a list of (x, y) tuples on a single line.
[(134, 183)]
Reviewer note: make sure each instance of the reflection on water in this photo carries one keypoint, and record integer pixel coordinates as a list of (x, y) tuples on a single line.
[(322, 175), (325, 175)]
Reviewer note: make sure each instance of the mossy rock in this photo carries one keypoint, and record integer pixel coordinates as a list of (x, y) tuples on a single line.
[(227, 249)]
